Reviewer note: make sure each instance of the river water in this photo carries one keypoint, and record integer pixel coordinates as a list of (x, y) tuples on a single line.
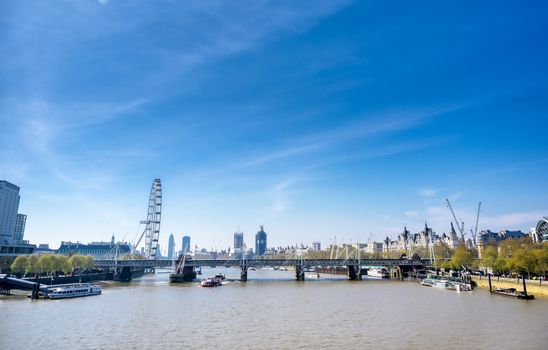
[(272, 311)]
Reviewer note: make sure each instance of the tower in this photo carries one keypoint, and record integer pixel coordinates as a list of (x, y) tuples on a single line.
[(260, 241), (9, 205), (171, 246)]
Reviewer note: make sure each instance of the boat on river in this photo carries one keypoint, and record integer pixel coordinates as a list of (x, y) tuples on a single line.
[(380, 272), (74, 291), (220, 276), (211, 282), (446, 284), (312, 275), (512, 292)]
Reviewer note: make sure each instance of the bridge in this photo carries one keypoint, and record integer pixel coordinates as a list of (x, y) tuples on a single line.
[(354, 266), (258, 263)]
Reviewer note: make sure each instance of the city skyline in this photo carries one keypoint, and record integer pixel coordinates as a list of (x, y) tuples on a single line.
[(339, 119)]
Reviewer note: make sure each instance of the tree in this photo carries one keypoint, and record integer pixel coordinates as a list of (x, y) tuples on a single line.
[(77, 262), (442, 251), (46, 263), (89, 262), (462, 257), (32, 266), (20, 263), (62, 264), (490, 256), (522, 261)]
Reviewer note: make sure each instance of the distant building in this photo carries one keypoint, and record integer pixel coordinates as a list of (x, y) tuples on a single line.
[(260, 241), (9, 205), (488, 235), (44, 249), (316, 246), (99, 250), (238, 244), (186, 245), (171, 246), (20, 224), (541, 230), (407, 241)]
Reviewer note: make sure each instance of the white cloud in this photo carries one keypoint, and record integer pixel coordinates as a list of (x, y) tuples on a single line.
[(411, 213), (428, 192)]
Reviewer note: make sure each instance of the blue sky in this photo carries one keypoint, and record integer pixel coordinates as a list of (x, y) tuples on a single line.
[(314, 119)]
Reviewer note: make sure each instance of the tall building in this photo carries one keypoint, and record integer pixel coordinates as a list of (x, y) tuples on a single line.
[(171, 246), (316, 246), (9, 204), (260, 241), (20, 224), (186, 244), (238, 244), (238, 240)]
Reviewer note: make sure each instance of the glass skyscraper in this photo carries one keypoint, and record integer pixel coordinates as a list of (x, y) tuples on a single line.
[(9, 204)]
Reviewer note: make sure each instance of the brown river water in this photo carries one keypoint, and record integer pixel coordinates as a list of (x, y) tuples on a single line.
[(272, 311)]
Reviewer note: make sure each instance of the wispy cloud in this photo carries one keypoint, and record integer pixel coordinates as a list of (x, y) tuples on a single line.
[(428, 192), (368, 129)]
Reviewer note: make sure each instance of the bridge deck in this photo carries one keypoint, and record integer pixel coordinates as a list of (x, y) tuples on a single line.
[(264, 262)]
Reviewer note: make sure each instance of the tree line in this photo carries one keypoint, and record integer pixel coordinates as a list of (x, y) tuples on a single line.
[(50, 264)]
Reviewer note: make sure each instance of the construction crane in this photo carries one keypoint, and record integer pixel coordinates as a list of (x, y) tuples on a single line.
[(477, 221), (461, 228)]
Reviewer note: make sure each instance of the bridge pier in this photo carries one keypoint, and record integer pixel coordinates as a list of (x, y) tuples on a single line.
[(299, 273), (243, 273), (354, 273), (35, 291)]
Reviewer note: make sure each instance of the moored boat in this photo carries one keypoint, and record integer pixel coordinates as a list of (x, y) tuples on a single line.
[(74, 291), (512, 292), (312, 275)]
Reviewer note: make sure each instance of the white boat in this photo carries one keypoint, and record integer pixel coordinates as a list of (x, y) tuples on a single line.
[(312, 275), (74, 291), (220, 276), (446, 284), (380, 272), (211, 282)]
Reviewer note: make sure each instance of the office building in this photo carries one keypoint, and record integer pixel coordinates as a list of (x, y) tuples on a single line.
[(316, 246), (20, 224), (171, 247), (260, 242), (186, 245), (238, 244), (9, 205)]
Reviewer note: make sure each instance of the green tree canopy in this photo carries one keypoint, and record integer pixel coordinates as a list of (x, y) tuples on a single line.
[(462, 257), (20, 264)]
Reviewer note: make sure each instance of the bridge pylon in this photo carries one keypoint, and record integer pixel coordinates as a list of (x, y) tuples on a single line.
[(354, 272)]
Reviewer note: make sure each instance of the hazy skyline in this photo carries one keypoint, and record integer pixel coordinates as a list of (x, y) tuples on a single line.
[(314, 119)]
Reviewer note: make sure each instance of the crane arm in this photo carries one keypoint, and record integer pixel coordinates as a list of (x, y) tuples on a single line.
[(455, 217)]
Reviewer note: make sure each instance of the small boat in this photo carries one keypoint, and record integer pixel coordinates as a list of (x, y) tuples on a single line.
[(74, 291), (378, 273), (220, 276), (512, 292), (211, 282), (312, 275)]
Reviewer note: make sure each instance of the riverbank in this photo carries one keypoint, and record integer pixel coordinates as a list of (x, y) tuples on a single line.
[(533, 287)]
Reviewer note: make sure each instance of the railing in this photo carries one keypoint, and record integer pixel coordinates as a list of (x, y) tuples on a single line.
[(265, 262)]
